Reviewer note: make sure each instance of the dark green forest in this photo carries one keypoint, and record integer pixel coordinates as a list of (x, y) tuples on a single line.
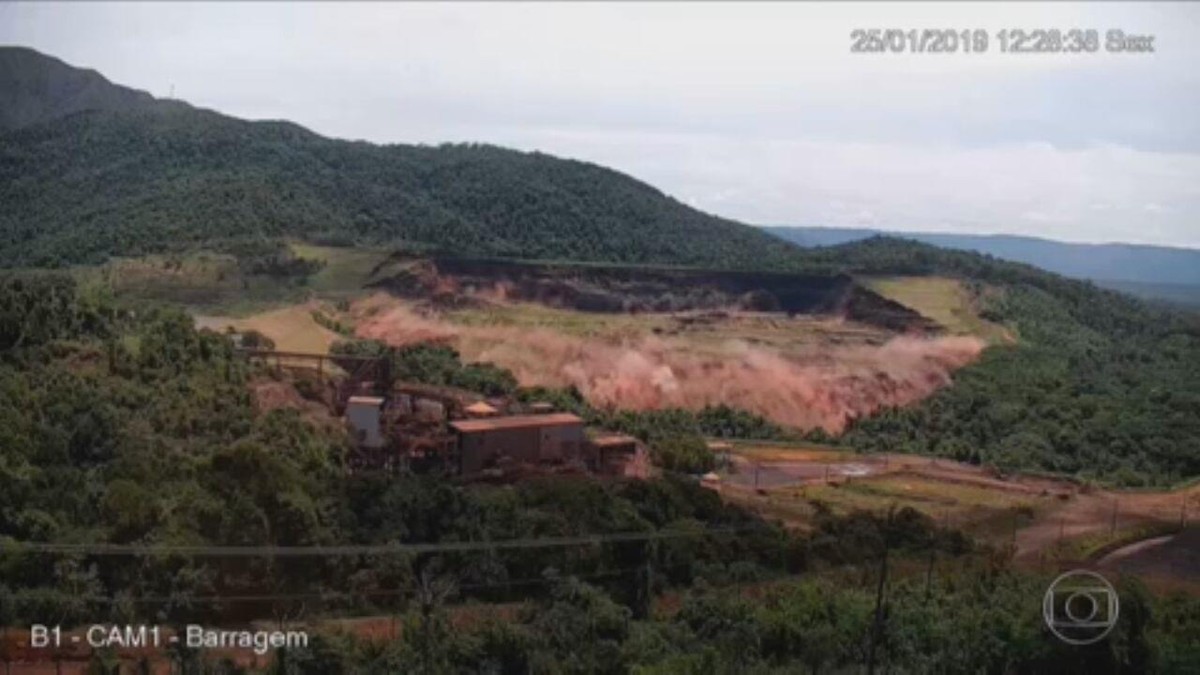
[(1099, 384), (128, 426), (970, 620), (96, 184)]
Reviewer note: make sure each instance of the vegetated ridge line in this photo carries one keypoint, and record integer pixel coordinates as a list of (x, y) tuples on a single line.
[(351, 550)]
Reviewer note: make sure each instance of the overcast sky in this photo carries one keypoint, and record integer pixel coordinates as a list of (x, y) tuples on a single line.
[(754, 112)]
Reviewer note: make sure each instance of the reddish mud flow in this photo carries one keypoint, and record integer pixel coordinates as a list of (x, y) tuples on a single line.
[(820, 387)]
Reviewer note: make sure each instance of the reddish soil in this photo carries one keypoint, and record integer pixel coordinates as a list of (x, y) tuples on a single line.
[(810, 386)]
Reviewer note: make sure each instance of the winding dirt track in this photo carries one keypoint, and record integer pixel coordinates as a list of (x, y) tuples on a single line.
[(1100, 511), (1065, 512), (1173, 557)]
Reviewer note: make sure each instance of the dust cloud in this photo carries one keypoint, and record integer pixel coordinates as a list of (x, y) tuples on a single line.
[(817, 387)]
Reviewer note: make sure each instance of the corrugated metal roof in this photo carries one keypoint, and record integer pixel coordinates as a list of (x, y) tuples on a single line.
[(514, 422), (481, 408), (612, 439)]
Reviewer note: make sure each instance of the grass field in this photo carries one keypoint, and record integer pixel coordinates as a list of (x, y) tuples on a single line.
[(946, 301), (210, 281), (346, 271), (292, 328), (213, 283), (982, 512)]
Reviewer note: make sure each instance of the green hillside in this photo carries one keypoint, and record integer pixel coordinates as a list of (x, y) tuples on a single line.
[(1099, 384), (99, 183)]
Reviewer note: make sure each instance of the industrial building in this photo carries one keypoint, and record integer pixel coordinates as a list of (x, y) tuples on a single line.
[(612, 453), (526, 439), (409, 426)]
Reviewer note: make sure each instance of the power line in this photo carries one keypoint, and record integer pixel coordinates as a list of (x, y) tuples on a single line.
[(9, 545), (343, 595)]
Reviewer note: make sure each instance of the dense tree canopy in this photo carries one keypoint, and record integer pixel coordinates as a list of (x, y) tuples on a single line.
[(1098, 383), (167, 177), (123, 426)]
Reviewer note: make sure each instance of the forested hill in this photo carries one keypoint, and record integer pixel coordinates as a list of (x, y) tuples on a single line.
[(1098, 384), (133, 179), (36, 88)]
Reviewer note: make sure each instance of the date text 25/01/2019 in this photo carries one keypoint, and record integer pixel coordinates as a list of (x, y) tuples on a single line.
[(1006, 41)]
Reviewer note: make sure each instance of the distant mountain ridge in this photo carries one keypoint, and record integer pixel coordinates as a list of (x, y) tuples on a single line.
[(1150, 271)]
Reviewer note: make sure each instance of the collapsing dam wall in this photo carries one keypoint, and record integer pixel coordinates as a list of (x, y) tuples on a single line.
[(614, 289), (816, 371)]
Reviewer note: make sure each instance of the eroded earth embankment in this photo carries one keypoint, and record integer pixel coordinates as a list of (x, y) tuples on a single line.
[(812, 384), (617, 289)]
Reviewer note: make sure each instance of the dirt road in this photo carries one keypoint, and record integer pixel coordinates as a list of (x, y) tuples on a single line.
[(1053, 511), (1174, 556)]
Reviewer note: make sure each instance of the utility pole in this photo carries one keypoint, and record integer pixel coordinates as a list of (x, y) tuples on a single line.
[(1113, 528), (644, 582), (929, 573), (877, 624)]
